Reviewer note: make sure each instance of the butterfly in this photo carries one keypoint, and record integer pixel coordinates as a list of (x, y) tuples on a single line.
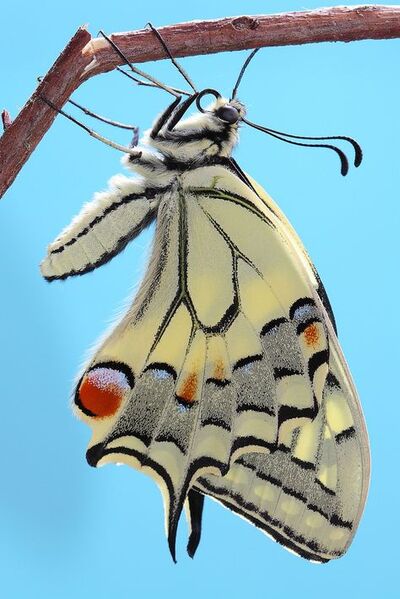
[(225, 377)]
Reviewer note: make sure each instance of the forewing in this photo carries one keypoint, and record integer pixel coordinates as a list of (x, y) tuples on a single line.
[(102, 229)]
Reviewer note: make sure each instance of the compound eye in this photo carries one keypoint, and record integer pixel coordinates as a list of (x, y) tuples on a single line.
[(228, 113)]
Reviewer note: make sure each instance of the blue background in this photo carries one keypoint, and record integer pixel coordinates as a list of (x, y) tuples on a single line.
[(71, 531)]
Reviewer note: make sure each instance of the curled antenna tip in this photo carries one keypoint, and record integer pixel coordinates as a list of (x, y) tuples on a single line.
[(359, 155), (344, 167), (310, 143)]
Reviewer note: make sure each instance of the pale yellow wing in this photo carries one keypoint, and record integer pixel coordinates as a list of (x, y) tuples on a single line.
[(225, 351), (102, 229), (309, 498)]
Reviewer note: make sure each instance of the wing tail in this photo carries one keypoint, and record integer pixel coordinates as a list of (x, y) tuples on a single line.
[(195, 503)]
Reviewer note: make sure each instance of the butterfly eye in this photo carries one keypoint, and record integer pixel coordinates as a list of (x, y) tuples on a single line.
[(228, 113)]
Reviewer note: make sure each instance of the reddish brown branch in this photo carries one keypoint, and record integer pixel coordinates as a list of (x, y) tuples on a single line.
[(85, 57), (22, 136), (6, 119)]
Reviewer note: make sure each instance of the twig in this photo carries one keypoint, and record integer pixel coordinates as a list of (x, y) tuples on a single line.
[(22, 136), (85, 57), (6, 119)]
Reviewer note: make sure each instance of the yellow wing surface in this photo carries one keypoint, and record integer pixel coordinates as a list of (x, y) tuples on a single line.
[(225, 376)]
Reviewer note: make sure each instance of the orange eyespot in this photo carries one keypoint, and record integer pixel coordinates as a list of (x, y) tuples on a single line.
[(189, 387), (311, 334), (102, 389), (219, 370)]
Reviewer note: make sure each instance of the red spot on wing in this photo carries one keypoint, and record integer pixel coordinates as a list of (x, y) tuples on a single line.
[(101, 391)]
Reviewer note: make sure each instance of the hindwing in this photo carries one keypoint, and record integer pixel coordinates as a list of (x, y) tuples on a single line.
[(225, 377)]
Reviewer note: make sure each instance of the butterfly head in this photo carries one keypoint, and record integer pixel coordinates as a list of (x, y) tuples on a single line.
[(223, 111), (211, 131)]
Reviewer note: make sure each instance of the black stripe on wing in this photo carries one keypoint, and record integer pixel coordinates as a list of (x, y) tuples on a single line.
[(348, 433), (150, 193), (108, 255), (236, 503)]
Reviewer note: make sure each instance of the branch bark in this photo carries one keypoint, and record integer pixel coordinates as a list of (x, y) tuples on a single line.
[(85, 57)]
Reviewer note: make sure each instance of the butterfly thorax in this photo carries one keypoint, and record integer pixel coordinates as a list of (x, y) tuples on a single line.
[(200, 139)]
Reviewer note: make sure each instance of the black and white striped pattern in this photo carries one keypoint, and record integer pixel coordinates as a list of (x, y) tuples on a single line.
[(238, 388)]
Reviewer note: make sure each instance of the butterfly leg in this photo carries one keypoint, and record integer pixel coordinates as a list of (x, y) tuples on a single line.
[(137, 71), (173, 60), (91, 132), (170, 117), (99, 117)]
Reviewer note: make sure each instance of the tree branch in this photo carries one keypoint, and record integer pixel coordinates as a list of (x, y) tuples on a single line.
[(85, 57)]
